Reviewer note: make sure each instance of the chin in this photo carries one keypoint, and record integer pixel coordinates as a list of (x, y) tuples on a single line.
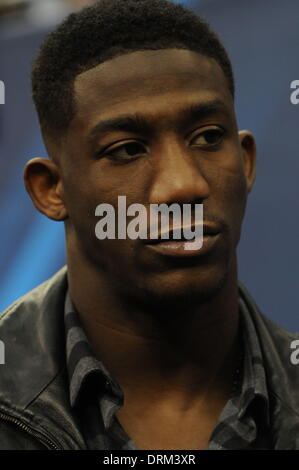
[(179, 289)]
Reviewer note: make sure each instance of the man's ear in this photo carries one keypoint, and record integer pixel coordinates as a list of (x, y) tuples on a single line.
[(248, 149), (44, 186)]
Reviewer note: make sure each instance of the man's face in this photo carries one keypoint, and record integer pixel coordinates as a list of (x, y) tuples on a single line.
[(176, 142)]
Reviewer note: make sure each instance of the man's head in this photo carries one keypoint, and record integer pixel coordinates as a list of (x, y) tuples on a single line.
[(105, 30), (135, 98)]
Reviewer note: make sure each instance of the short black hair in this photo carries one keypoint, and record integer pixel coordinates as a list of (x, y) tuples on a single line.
[(107, 29)]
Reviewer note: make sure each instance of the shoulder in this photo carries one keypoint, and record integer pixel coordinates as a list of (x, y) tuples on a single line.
[(261, 320), (278, 348), (32, 332), (36, 298)]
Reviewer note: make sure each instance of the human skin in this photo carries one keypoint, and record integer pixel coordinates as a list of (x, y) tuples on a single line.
[(175, 321)]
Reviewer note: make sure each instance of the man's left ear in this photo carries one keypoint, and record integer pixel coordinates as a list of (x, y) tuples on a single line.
[(248, 149)]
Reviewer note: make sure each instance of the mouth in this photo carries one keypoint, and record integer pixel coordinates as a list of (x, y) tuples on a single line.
[(170, 245), (172, 235)]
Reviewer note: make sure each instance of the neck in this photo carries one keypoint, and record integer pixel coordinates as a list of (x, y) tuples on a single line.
[(183, 352)]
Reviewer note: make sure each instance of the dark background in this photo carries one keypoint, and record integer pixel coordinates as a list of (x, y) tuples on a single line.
[(262, 39)]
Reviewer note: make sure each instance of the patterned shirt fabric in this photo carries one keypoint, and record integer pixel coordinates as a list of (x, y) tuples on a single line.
[(96, 396)]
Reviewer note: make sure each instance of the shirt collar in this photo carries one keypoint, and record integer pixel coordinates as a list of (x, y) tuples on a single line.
[(81, 361), (254, 384)]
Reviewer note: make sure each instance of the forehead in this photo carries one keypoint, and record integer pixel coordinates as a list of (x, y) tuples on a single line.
[(147, 82)]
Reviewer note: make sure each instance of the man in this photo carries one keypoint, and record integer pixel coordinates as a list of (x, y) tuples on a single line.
[(138, 344)]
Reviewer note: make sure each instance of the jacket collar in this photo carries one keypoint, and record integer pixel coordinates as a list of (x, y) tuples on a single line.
[(32, 330)]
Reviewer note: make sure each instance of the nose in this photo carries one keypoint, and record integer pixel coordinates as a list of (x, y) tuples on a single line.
[(177, 176)]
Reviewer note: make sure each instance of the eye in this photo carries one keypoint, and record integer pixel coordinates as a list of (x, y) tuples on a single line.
[(209, 139), (125, 152)]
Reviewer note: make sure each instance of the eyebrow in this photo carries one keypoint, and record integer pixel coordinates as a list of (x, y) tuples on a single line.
[(139, 124)]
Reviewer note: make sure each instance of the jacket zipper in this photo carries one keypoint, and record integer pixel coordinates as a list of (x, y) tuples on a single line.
[(41, 437)]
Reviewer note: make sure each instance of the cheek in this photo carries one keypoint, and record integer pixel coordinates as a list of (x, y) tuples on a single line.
[(82, 196), (234, 199), (231, 186), (131, 180), (81, 200), (227, 179), (229, 196)]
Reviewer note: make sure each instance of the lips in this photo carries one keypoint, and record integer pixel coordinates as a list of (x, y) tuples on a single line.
[(178, 248), (183, 248), (208, 230)]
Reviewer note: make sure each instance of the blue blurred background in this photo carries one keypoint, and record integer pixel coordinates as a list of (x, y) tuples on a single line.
[(262, 40)]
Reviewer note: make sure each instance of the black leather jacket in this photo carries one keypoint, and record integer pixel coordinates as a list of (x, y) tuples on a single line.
[(35, 412)]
